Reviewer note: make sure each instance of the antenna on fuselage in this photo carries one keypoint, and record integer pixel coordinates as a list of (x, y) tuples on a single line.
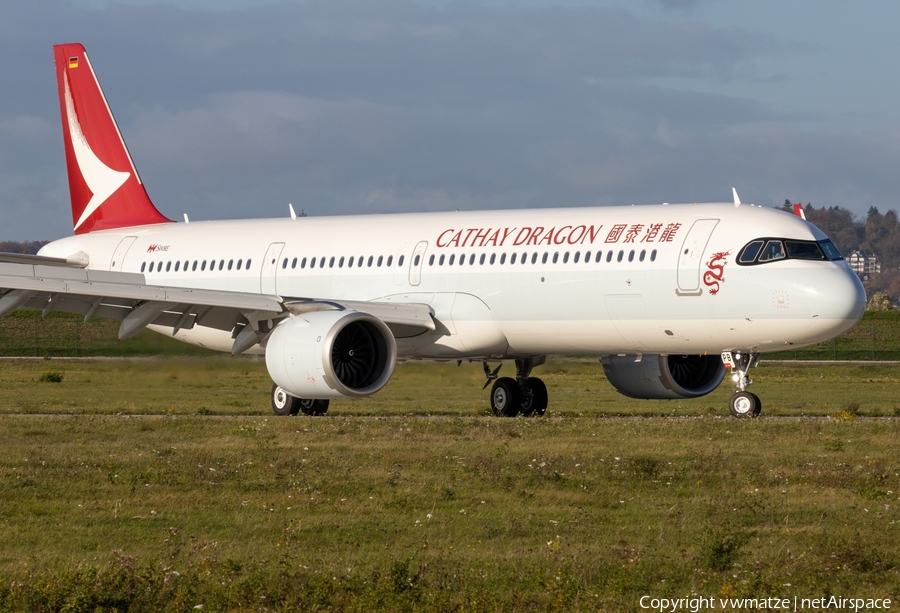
[(737, 199), (293, 213)]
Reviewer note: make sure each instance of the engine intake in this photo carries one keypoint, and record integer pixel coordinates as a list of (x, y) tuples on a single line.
[(331, 354), (664, 376)]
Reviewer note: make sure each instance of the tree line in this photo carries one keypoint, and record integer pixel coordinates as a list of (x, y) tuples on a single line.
[(27, 247)]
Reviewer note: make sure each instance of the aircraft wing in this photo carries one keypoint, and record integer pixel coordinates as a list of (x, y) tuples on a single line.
[(126, 297)]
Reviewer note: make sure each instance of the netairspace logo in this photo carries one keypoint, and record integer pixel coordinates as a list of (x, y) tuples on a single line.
[(695, 604)]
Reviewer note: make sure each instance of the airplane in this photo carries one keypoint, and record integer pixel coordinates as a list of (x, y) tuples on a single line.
[(671, 297)]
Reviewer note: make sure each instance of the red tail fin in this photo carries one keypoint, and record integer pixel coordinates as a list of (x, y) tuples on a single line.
[(105, 188)]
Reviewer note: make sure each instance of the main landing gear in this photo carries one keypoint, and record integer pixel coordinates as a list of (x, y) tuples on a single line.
[(743, 403), (524, 394), (285, 404)]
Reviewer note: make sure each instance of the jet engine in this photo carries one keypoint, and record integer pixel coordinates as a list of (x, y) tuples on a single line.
[(331, 354), (664, 376)]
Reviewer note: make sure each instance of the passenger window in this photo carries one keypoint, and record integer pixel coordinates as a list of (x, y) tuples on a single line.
[(380, 259), (512, 258), (653, 255), (534, 257), (749, 253), (416, 261), (312, 262), (177, 265), (643, 254), (168, 266), (293, 264), (431, 260), (556, 257), (441, 260), (544, 259), (221, 264), (370, 261), (609, 255), (203, 266), (230, 264), (472, 259), (621, 254), (143, 266), (390, 260), (481, 259), (493, 257), (303, 263), (450, 261), (248, 264), (577, 256), (194, 266), (600, 257), (340, 262), (565, 257), (631, 255), (322, 262), (773, 250), (283, 264), (350, 262), (502, 258), (331, 262), (400, 261)]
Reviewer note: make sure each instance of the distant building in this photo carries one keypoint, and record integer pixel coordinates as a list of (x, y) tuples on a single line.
[(864, 265)]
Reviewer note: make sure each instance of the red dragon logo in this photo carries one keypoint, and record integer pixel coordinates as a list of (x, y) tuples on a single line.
[(716, 273)]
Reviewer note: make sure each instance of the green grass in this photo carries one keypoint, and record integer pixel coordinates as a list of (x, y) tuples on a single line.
[(415, 499), (240, 386), (26, 333)]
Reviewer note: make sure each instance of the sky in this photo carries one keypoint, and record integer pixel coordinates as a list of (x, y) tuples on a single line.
[(235, 108)]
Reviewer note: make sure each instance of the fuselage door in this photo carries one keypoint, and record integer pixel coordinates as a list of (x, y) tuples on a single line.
[(270, 268), (401, 276), (690, 258), (416, 262), (119, 255)]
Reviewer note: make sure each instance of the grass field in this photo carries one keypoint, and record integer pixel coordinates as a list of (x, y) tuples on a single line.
[(150, 484), (240, 386)]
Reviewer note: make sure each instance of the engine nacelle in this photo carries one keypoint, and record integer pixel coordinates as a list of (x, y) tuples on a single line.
[(664, 376), (331, 354)]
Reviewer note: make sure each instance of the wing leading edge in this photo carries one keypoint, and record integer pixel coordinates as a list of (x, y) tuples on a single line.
[(127, 297)]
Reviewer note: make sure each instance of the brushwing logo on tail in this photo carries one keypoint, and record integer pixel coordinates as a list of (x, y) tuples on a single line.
[(102, 180)]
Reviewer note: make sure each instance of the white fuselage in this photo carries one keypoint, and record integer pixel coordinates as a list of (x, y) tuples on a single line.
[(667, 280)]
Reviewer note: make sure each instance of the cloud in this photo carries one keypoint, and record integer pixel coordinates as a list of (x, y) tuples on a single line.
[(389, 105)]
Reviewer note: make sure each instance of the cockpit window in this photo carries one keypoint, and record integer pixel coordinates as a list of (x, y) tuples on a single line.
[(773, 250), (830, 250), (765, 250), (749, 253), (803, 250)]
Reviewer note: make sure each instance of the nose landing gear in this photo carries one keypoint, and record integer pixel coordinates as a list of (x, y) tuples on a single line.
[(524, 394), (743, 403)]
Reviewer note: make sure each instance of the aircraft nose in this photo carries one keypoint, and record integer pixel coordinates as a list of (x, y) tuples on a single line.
[(837, 298)]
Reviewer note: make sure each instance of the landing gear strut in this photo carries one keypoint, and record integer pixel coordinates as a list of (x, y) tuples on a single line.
[(524, 394), (285, 404), (743, 403)]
